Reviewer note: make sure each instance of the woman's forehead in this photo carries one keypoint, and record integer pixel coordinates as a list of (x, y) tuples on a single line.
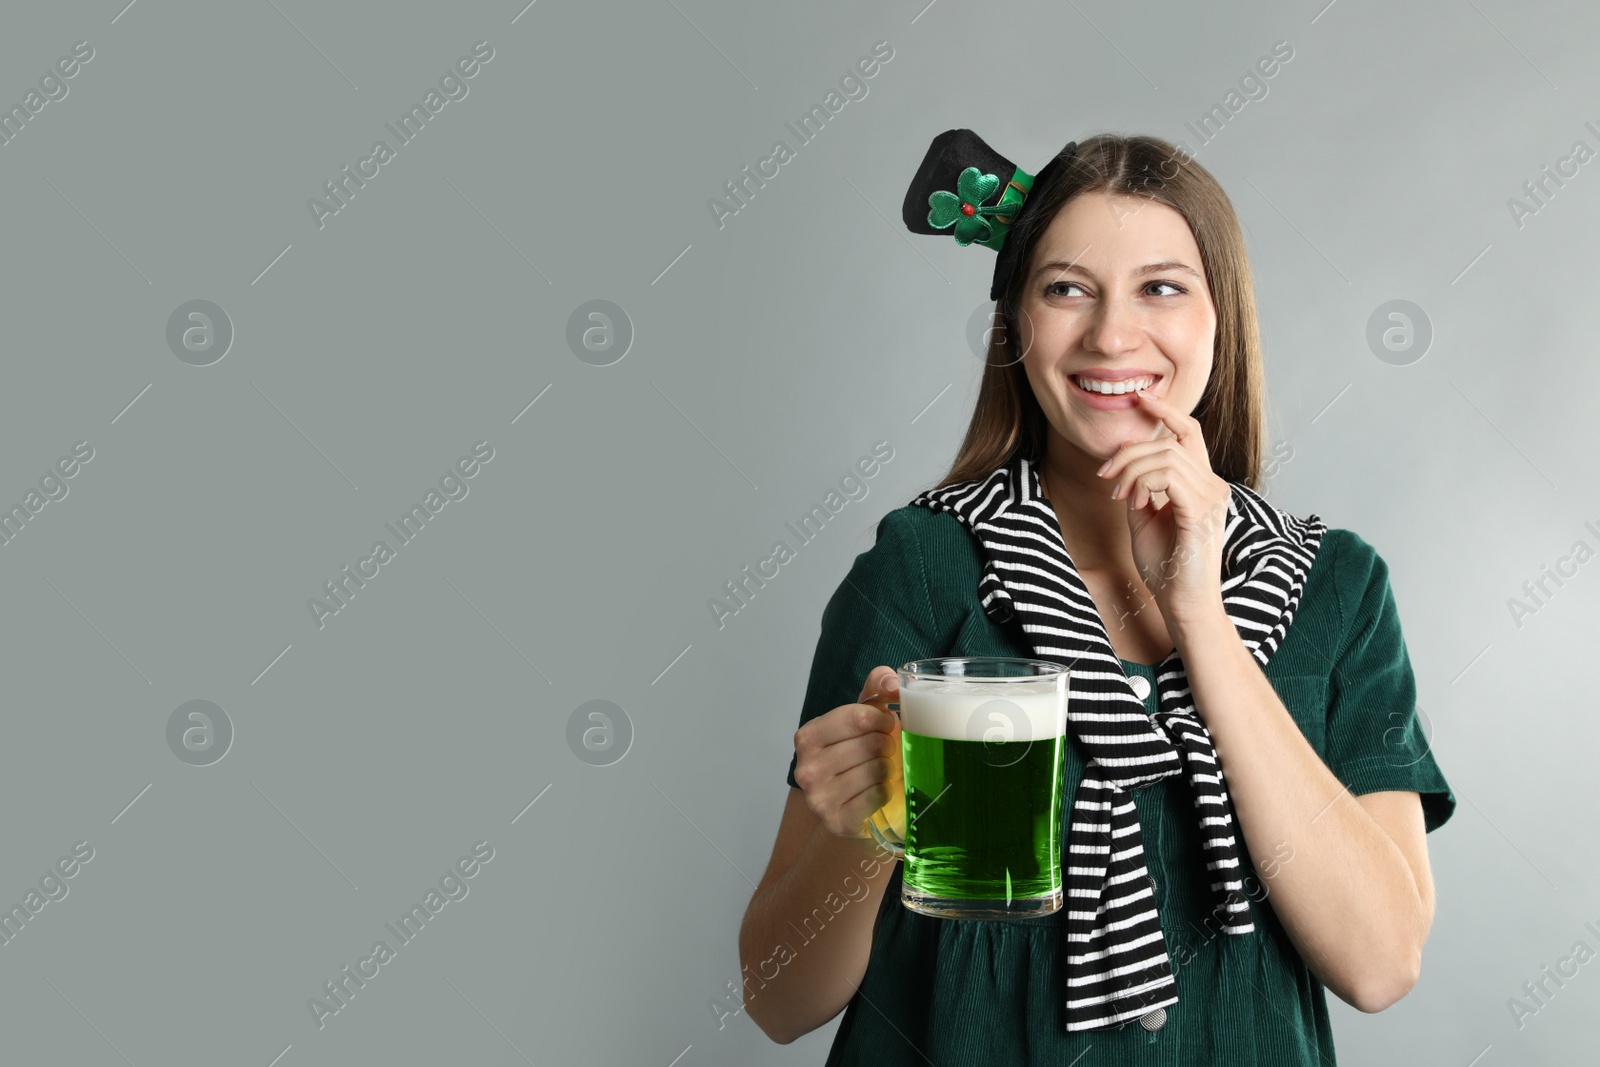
[(1100, 232)]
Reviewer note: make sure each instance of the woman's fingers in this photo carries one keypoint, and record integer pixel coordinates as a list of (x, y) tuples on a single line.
[(847, 760), (852, 751), (847, 720), (859, 808), (840, 724), (1182, 424), (882, 686), (860, 791), (860, 743), (1131, 460)]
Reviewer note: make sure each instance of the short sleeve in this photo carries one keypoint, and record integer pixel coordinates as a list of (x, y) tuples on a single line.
[(1375, 734), (881, 614)]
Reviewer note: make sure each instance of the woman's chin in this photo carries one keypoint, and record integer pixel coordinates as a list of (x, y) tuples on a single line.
[(1103, 432)]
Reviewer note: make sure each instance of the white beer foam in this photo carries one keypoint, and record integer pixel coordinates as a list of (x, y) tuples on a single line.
[(950, 710)]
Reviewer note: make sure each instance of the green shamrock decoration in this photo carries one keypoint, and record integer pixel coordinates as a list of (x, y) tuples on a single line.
[(965, 211)]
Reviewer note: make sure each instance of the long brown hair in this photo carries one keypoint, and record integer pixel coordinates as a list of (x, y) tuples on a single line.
[(1007, 420)]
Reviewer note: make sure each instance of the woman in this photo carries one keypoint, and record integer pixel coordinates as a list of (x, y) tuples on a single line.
[(1122, 399)]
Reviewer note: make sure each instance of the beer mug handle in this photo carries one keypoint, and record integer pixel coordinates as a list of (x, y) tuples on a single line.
[(886, 836)]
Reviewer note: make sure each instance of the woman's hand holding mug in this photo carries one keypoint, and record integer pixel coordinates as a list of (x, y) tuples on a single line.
[(847, 761)]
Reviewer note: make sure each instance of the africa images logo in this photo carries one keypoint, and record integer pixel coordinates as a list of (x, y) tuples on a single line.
[(342, 589), (343, 987), (812, 123), (811, 524), (453, 87)]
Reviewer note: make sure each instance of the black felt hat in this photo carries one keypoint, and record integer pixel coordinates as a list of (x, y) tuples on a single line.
[(952, 193)]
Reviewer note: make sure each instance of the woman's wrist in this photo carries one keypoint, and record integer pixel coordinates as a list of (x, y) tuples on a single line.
[(1194, 627)]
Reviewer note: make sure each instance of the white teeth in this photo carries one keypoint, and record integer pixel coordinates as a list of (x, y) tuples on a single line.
[(1095, 385)]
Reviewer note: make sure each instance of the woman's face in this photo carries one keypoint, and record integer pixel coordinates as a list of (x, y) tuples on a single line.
[(1116, 290)]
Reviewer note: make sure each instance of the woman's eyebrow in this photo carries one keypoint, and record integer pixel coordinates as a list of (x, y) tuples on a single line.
[(1149, 268)]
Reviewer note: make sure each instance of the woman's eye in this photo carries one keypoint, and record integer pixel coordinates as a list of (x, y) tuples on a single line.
[(1059, 288)]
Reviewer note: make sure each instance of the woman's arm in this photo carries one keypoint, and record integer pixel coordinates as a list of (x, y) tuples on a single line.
[(792, 986), (1357, 899), (807, 933)]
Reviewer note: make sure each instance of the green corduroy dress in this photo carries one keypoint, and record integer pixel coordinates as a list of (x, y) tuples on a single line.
[(965, 993)]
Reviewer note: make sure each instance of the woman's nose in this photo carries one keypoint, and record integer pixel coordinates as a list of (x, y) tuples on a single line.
[(1114, 327)]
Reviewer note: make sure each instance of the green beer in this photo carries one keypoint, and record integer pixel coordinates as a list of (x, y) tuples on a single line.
[(981, 748)]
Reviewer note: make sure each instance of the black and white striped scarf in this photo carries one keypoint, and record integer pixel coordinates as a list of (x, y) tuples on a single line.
[(1117, 964)]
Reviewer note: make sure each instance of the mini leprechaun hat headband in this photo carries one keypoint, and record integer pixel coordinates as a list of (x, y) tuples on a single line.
[(952, 188)]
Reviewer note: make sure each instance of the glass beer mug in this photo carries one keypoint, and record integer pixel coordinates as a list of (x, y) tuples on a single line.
[(980, 745)]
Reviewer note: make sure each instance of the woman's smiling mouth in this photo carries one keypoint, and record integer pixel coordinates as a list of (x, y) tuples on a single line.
[(1112, 393)]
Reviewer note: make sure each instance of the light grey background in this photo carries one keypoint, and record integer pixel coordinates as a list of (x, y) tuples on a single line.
[(768, 356)]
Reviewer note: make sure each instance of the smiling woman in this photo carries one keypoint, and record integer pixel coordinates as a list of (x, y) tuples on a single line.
[(1113, 463)]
